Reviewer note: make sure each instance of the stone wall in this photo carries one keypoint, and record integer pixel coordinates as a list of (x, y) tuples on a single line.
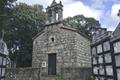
[(82, 48), (63, 45), (71, 48), (33, 74), (22, 74), (76, 73)]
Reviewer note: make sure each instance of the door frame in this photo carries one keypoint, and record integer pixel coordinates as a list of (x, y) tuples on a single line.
[(55, 66)]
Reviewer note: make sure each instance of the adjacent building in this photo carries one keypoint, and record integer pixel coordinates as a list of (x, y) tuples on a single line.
[(3, 59), (102, 63), (105, 51), (116, 50)]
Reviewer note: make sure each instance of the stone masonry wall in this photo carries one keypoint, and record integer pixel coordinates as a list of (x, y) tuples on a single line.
[(69, 73), (66, 45), (76, 73), (63, 46), (22, 74), (82, 48)]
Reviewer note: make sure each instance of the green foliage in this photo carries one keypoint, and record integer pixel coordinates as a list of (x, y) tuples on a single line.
[(51, 78), (26, 22), (5, 13), (21, 22), (90, 78), (83, 24)]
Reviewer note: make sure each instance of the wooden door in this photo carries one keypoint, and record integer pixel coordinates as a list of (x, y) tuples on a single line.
[(51, 64)]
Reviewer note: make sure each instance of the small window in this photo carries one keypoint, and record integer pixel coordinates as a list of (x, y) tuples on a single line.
[(52, 39)]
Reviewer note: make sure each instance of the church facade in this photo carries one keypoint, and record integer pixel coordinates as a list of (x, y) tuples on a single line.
[(59, 46)]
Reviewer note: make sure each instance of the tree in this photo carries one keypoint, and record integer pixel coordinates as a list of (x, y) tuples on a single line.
[(27, 21), (83, 24), (5, 13)]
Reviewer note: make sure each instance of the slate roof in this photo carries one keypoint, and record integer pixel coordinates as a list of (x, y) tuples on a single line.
[(116, 33)]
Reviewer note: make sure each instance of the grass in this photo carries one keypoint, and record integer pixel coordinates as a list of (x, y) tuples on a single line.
[(51, 78)]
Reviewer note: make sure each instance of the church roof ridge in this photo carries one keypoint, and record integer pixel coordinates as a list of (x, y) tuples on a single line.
[(66, 28)]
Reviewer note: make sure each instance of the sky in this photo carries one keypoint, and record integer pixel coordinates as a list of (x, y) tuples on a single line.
[(103, 10)]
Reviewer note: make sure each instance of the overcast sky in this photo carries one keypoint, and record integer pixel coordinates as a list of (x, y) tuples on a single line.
[(103, 10)]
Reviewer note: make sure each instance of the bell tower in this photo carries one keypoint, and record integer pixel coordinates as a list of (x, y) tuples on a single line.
[(54, 12)]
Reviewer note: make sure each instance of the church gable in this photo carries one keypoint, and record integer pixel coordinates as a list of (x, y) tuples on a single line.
[(60, 38), (54, 33), (62, 45), (58, 27)]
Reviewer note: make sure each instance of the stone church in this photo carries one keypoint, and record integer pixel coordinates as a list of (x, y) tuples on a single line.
[(59, 46)]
